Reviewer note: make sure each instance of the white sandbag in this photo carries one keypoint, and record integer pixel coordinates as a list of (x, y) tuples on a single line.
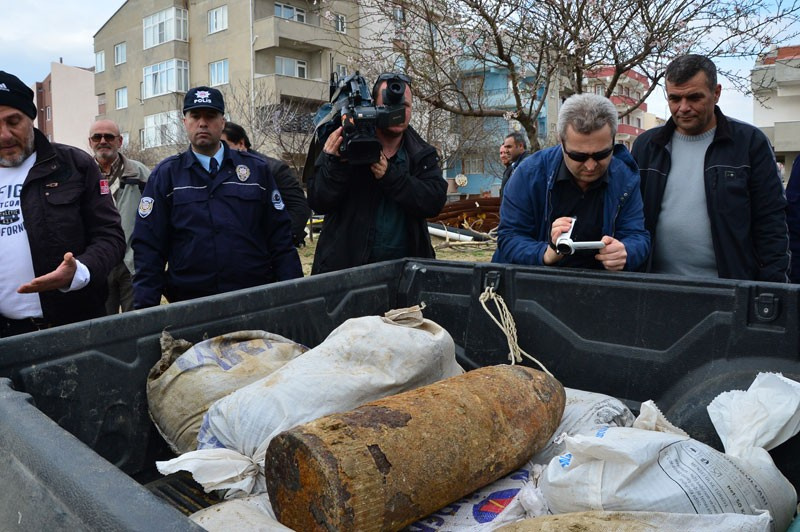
[(362, 360), (641, 522), (495, 504), (656, 468), (190, 378), (251, 514), (584, 412)]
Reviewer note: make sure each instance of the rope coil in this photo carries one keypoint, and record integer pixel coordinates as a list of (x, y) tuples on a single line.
[(506, 325)]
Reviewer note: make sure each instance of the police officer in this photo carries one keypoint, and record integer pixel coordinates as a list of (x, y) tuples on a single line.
[(212, 214)]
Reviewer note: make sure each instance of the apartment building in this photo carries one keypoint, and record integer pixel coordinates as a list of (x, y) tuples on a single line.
[(264, 56), (629, 89), (775, 82), (66, 105)]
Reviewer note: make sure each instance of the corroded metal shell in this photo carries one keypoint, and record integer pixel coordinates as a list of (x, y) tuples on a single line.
[(395, 460)]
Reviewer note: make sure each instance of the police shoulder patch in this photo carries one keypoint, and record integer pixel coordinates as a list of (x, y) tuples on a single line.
[(145, 206), (277, 200)]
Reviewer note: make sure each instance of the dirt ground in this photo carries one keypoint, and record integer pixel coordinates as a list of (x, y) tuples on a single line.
[(463, 251)]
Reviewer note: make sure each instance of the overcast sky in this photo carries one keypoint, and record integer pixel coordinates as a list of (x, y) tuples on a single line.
[(39, 32)]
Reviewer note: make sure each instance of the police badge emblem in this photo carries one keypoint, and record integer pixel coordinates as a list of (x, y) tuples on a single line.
[(242, 172), (145, 206), (277, 200)]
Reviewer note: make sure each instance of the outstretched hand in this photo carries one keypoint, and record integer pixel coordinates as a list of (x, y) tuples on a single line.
[(61, 277)]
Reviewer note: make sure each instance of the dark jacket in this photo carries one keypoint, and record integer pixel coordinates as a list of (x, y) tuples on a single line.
[(744, 195), (349, 196), (292, 194), (525, 214), (510, 170), (793, 219), (64, 210), (217, 235)]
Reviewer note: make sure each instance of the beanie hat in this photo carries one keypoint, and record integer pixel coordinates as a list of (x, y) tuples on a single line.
[(16, 94)]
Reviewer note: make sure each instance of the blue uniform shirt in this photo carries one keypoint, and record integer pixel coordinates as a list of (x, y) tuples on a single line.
[(214, 235)]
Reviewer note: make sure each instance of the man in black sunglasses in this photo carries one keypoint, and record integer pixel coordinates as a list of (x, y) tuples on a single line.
[(125, 179), (587, 178), (376, 212)]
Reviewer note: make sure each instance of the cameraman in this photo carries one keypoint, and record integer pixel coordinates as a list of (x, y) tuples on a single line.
[(377, 212)]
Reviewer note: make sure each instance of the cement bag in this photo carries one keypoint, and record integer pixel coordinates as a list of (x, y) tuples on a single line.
[(655, 467), (252, 514), (641, 522), (495, 504), (362, 360), (584, 413), (190, 378)]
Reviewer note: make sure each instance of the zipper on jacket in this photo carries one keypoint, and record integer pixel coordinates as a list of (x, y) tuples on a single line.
[(622, 201)]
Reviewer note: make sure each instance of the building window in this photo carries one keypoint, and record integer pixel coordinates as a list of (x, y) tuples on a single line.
[(167, 25), (341, 70), (286, 66), (122, 98), (101, 103), (290, 12), (126, 138), (339, 23), (218, 72), (599, 89), (639, 123), (399, 14), (160, 129), (218, 19), (472, 165), (169, 76), (99, 62), (120, 53), (48, 113)]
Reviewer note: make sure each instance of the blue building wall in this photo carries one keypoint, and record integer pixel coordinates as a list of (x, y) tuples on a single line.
[(497, 93)]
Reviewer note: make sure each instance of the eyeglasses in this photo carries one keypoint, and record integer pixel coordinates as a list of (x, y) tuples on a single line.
[(108, 137), (581, 157)]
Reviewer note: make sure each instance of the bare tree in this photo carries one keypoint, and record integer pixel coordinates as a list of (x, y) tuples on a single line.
[(280, 129), (552, 46)]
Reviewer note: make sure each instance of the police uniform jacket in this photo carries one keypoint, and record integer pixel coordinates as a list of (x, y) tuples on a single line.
[(65, 210), (215, 234)]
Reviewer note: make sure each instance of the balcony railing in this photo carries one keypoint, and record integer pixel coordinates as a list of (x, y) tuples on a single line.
[(274, 86), (275, 31), (627, 129)]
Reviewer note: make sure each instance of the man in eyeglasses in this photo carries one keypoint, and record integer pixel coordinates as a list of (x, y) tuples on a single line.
[(587, 178), (125, 179), (713, 197), (60, 234), (377, 212)]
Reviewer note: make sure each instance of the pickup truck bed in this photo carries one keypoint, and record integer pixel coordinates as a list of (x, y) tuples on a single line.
[(77, 447)]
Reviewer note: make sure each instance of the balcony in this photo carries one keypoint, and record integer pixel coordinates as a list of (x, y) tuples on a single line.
[(274, 32), (275, 86), (628, 130), (786, 136), (626, 102)]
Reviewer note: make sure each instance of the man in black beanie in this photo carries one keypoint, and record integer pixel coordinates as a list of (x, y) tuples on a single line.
[(60, 233)]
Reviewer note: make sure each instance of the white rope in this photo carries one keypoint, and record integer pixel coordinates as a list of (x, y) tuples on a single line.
[(508, 327)]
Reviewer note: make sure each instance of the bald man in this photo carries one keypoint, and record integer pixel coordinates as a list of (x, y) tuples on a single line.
[(125, 179)]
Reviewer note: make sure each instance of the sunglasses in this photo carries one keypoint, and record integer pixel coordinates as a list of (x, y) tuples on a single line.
[(108, 137), (581, 157)]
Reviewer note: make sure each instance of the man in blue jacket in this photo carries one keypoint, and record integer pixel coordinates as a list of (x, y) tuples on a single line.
[(212, 214), (586, 178)]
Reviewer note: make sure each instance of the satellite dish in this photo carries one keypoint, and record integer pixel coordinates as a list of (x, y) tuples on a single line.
[(461, 180)]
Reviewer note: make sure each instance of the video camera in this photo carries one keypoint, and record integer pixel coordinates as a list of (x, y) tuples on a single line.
[(352, 108)]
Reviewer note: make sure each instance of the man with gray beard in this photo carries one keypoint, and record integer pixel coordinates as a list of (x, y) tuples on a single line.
[(60, 234)]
